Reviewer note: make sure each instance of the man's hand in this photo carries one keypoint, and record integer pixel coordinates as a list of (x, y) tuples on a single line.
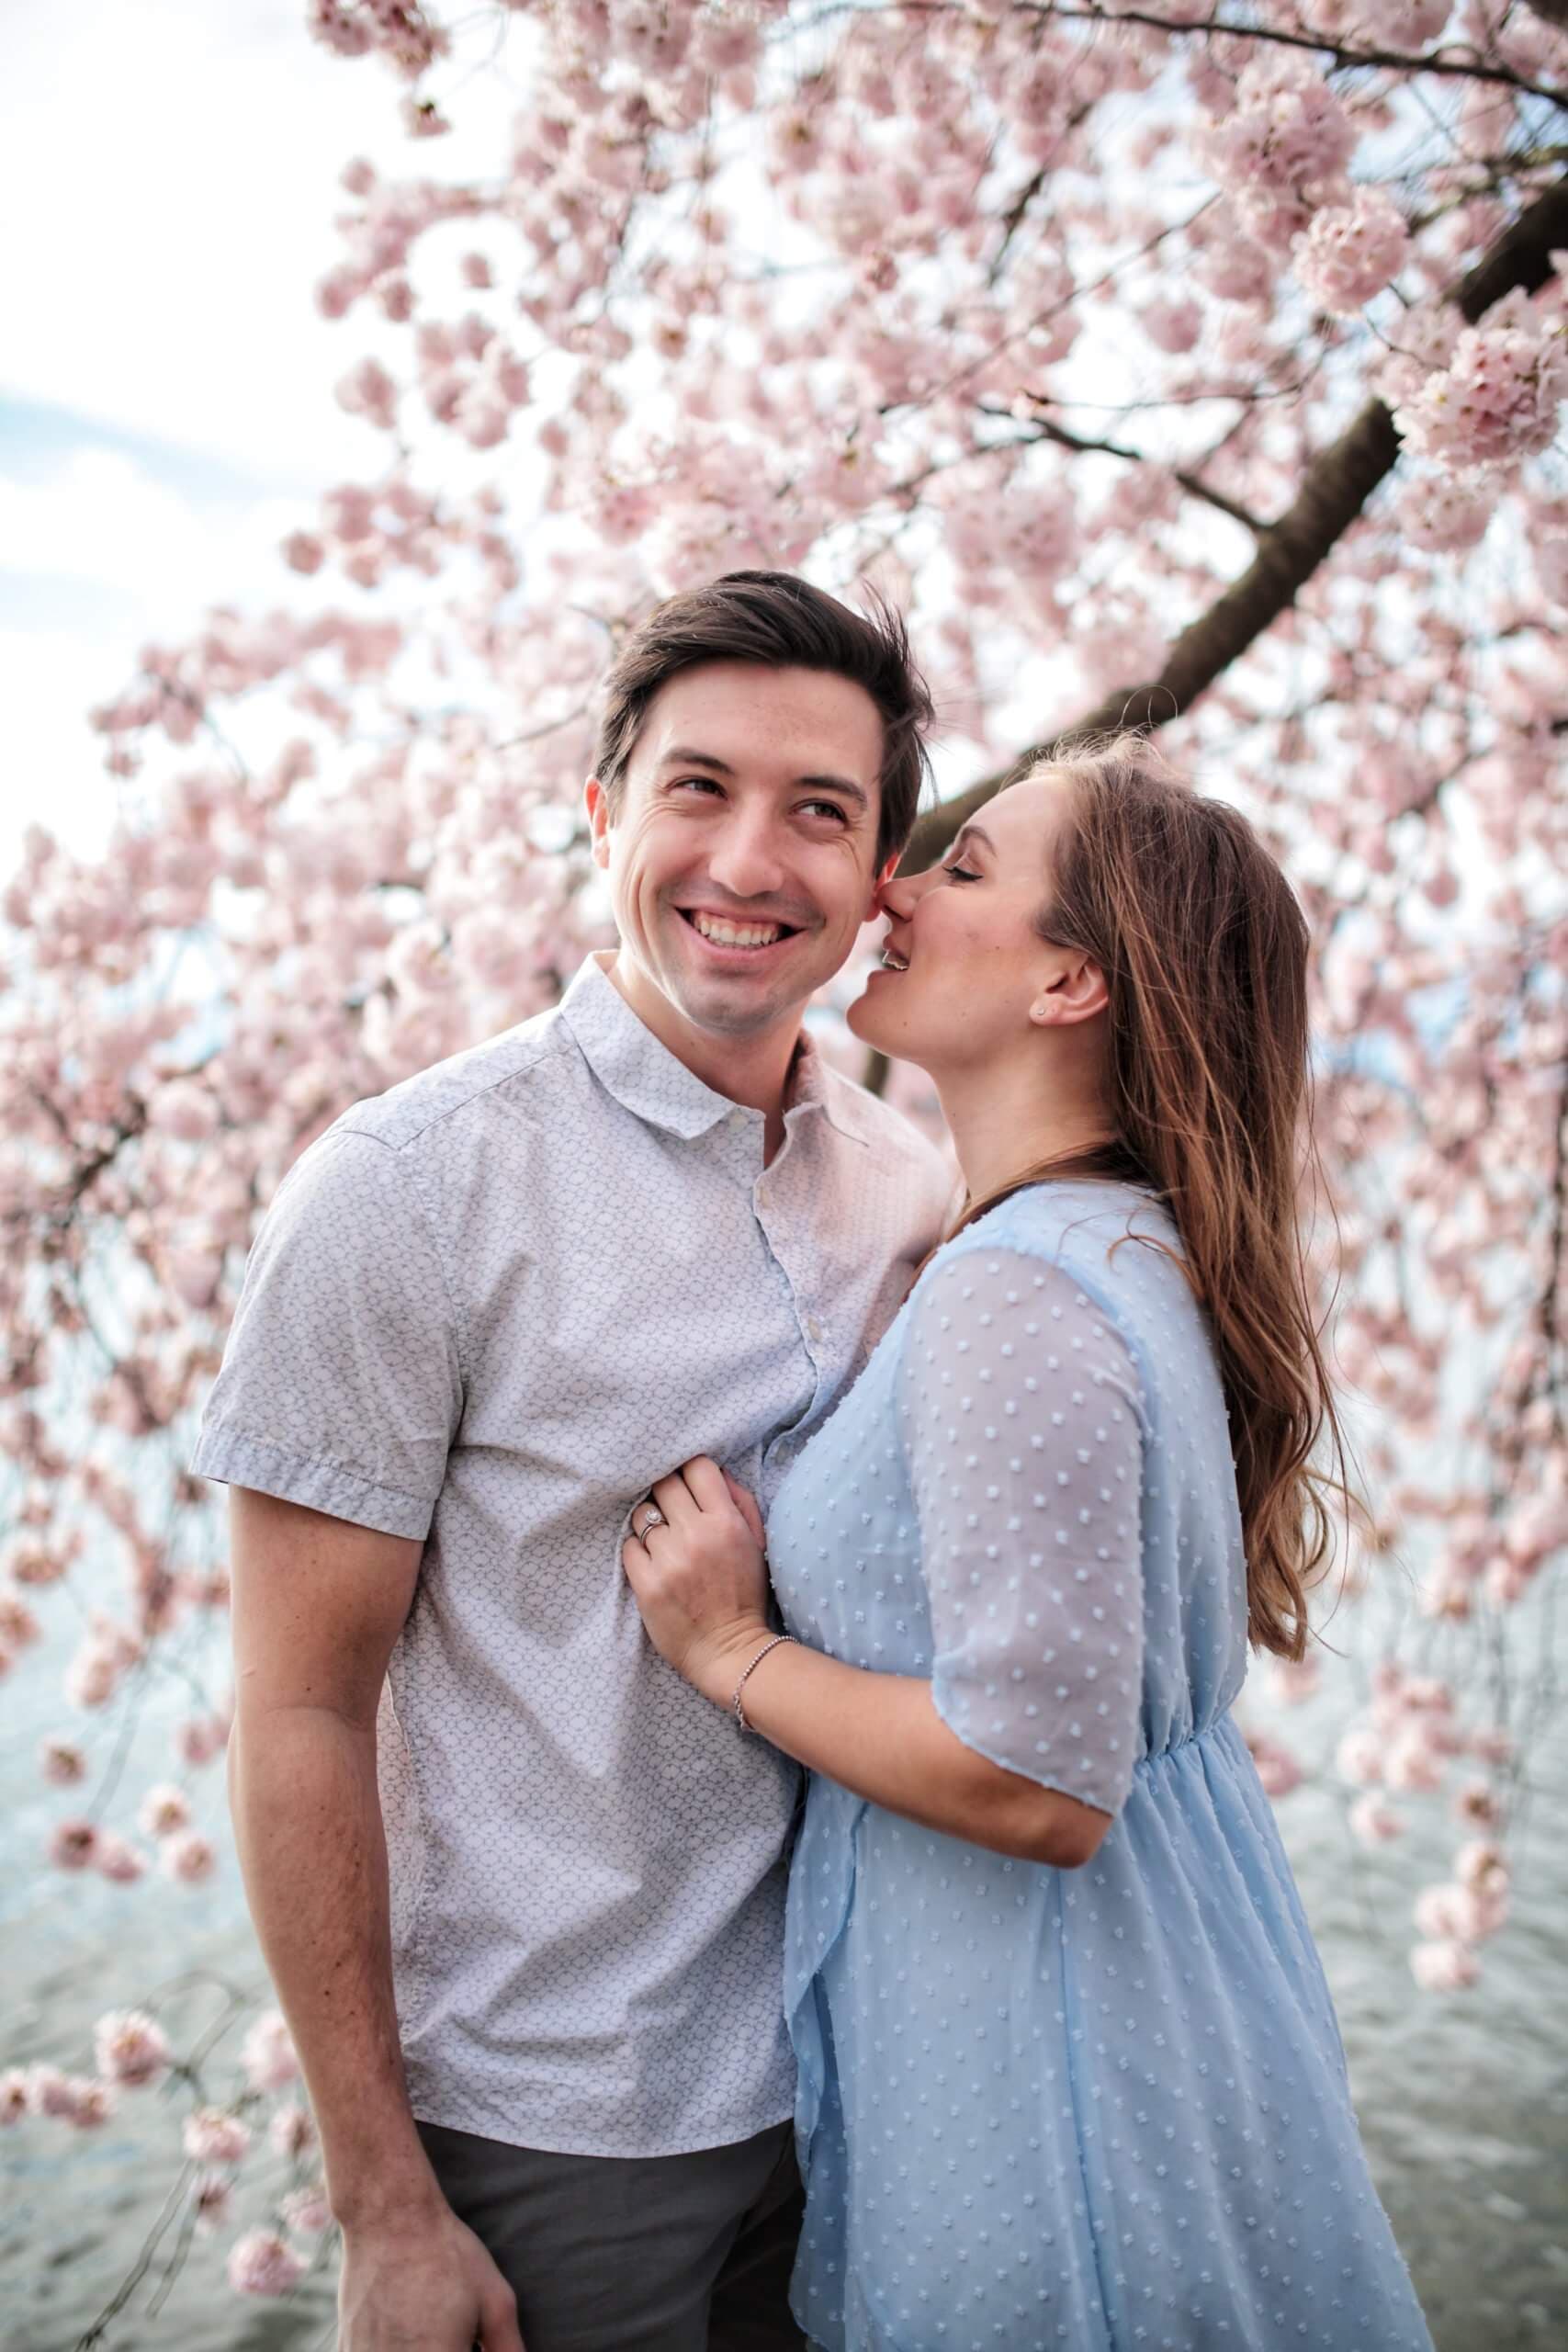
[(429, 2286), (700, 1580)]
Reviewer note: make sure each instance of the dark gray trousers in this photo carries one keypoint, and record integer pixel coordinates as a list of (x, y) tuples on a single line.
[(635, 2253)]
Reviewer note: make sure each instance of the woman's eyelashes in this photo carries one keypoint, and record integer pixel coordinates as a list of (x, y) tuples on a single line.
[(960, 873)]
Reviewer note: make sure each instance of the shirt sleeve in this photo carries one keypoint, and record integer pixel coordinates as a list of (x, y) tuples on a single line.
[(341, 1386), (1021, 1414)]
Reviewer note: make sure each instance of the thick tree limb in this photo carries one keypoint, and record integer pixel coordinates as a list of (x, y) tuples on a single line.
[(1337, 487)]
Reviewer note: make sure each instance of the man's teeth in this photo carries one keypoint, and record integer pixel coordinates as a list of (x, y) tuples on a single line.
[(893, 962), (737, 935)]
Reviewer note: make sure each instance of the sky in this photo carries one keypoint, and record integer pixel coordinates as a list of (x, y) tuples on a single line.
[(168, 178)]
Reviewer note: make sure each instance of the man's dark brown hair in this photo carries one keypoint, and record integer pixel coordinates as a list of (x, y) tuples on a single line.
[(781, 623)]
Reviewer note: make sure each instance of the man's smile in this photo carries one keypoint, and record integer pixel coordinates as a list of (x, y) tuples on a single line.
[(731, 934)]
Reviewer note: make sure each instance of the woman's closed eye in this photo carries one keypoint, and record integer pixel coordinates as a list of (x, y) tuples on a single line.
[(960, 874)]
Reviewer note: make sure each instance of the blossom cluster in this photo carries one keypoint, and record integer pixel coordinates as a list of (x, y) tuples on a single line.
[(132, 2054)]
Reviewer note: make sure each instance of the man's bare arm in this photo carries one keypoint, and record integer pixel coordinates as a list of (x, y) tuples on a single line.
[(318, 1605)]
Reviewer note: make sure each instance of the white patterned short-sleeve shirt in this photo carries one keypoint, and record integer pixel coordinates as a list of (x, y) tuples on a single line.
[(488, 1309)]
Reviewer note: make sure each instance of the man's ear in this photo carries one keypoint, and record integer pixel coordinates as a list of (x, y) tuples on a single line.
[(888, 869), (596, 801)]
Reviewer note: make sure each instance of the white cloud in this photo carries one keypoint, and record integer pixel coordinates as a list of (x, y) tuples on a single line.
[(168, 172), (105, 517), (102, 556), (54, 769), (169, 176)]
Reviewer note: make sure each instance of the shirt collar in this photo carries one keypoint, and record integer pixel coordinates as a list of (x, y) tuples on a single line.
[(653, 1084)]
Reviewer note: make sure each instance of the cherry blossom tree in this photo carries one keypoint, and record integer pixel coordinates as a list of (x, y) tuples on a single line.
[(1193, 366)]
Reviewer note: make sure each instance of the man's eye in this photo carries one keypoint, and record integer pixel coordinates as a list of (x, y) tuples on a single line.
[(694, 783), (830, 807)]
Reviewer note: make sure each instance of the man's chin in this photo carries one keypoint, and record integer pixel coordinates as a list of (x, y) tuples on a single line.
[(738, 1012)]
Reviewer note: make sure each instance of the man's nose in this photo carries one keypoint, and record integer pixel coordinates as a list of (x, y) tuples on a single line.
[(746, 859)]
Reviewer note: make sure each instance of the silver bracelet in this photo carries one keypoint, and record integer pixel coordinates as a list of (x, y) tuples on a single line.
[(756, 1662)]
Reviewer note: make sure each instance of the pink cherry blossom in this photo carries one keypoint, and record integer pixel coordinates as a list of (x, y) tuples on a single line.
[(1444, 1967), (74, 1844), (48, 2091), (214, 2136), (130, 2048), (1447, 513), (1499, 398), (1282, 146), (268, 2055), (91, 2104), (188, 1857), (163, 1811), (1375, 1823), (117, 1860), (1358, 1758), (292, 2131), (212, 2198), (63, 1763), (262, 2262), (199, 1739), (306, 2210), (1407, 25), (1349, 253)]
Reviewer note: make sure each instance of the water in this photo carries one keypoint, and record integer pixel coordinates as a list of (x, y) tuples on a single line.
[(1463, 2099)]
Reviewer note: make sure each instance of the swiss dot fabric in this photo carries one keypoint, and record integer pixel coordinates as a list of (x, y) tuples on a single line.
[(1044, 2111), (488, 1310), (1020, 1412)]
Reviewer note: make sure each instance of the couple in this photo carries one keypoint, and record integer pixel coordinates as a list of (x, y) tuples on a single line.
[(551, 1359)]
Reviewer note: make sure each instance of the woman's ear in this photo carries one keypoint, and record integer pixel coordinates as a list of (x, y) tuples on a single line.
[(1075, 991)]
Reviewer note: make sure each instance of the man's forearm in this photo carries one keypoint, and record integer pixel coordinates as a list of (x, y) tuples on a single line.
[(308, 1819)]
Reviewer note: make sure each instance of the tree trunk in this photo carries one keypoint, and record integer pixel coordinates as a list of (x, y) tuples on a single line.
[(1337, 485)]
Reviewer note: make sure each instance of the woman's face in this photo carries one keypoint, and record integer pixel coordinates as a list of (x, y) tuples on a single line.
[(966, 973)]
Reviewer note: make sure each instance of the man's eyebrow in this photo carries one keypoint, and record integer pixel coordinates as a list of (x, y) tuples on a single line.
[(850, 791), (682, 757), (685, 757)]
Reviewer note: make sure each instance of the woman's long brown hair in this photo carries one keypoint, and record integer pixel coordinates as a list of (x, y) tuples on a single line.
[(1205, 953)]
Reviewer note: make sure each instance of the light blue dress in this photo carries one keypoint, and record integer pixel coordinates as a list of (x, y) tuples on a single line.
[(1048, 2111)]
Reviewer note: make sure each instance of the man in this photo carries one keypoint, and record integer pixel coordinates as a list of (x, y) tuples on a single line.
[(520, 1889)]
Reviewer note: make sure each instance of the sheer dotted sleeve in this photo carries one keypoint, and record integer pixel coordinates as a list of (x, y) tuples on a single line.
[(1019, 1409)]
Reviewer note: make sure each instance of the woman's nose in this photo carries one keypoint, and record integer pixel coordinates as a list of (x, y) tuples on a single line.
[(896, 899)]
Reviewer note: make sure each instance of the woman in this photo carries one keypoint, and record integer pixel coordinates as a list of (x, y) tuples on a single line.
[(1069, 2073)]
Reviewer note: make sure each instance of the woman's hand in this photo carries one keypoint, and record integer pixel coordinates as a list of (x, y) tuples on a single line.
[(701, 1580)]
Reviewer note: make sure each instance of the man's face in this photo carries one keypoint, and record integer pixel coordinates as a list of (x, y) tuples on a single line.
[(742, 859)]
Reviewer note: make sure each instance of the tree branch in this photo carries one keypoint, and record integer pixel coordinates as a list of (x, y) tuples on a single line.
[(1337, 487), (1349, 56), (1191, 483)]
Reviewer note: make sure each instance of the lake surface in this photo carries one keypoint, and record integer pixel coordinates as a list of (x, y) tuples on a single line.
[(1463, 2098)]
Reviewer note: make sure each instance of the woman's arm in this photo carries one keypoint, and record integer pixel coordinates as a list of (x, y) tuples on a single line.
[(701, 1583), (880, 1735)]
